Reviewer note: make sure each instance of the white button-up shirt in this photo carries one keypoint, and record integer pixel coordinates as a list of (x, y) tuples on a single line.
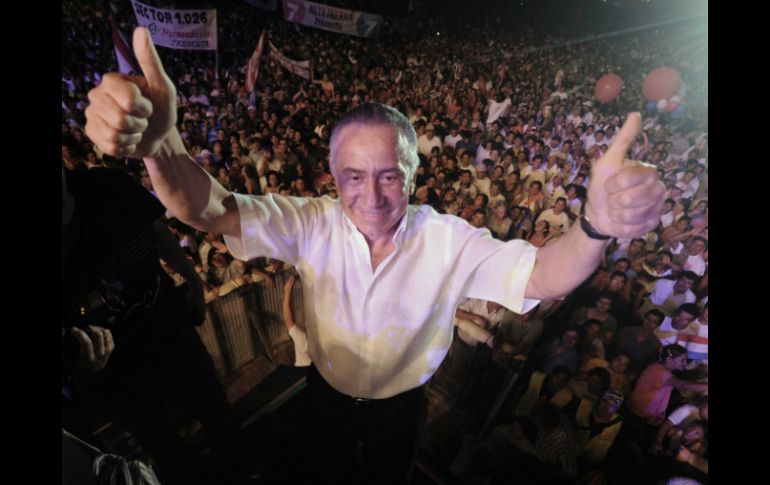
[(375, 334)]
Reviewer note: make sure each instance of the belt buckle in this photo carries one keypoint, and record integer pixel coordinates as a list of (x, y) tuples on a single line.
[(361, 401)]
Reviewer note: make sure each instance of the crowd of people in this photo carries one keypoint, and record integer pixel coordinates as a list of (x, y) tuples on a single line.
[(615, 374)]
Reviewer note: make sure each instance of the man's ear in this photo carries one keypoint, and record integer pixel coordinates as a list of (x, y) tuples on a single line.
[(413, 183)]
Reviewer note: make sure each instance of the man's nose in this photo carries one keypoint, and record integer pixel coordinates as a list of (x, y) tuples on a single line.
[(373, 193)]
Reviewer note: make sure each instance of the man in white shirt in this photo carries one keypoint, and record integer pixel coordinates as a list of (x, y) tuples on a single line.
[(382, 278), (667, 216), (695, 261), (428, 141), (557, 218), (453, 137), (482, 182), (668, 295), (553, 190)]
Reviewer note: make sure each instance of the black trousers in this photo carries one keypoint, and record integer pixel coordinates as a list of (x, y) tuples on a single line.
[(364, 441)]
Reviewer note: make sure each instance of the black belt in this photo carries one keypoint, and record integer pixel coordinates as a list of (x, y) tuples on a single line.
[(363, 401)]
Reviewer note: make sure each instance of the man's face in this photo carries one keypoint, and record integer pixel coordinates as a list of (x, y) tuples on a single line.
[(478, 220), (559, 206), (603, 305), (569, 339), (683, 284), (651, 322), (619, 364), (373, 185), (696, 247), (677, 363), (616, 283), (681, 320), (635, 248), (422, 194), (557, 381)]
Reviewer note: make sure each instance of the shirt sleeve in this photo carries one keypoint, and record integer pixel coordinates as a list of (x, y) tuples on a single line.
[(502, 275), (273, 226)]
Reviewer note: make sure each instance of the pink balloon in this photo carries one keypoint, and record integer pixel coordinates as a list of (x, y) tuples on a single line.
[(661, 83), (608, 87)]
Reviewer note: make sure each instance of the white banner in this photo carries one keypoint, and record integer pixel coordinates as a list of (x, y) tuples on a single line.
[(340, 20), (179, 29), (300, 68)]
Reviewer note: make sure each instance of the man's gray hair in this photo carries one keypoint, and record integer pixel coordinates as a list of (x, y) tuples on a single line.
[(380, 114)]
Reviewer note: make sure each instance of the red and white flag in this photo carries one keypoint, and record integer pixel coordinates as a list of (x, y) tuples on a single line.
[(253, 70), (126, 62)]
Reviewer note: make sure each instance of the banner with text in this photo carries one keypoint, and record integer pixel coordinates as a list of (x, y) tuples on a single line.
[(179, 29), (340, 20), (300, 68)]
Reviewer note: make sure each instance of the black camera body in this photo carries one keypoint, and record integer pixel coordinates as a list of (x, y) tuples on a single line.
[(105, 306)]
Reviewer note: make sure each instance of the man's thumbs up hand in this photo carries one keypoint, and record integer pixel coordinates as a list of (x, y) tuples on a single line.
[(132, 115), (625, 197)]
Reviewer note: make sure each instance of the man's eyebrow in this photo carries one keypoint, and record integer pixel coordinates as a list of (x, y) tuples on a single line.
[(348, 170), (391, 170), (353, 171)]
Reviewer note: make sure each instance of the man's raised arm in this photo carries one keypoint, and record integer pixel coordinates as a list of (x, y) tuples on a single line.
[(624, 200), (134, 116)]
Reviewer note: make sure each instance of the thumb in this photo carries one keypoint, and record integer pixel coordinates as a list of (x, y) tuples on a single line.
[(148, 58), (616, 153)]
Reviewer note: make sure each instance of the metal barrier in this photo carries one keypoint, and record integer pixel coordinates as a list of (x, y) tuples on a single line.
[(247, 322)]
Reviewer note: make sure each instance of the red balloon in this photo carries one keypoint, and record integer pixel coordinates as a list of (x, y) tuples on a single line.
[(608, 87), (661, 83)]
